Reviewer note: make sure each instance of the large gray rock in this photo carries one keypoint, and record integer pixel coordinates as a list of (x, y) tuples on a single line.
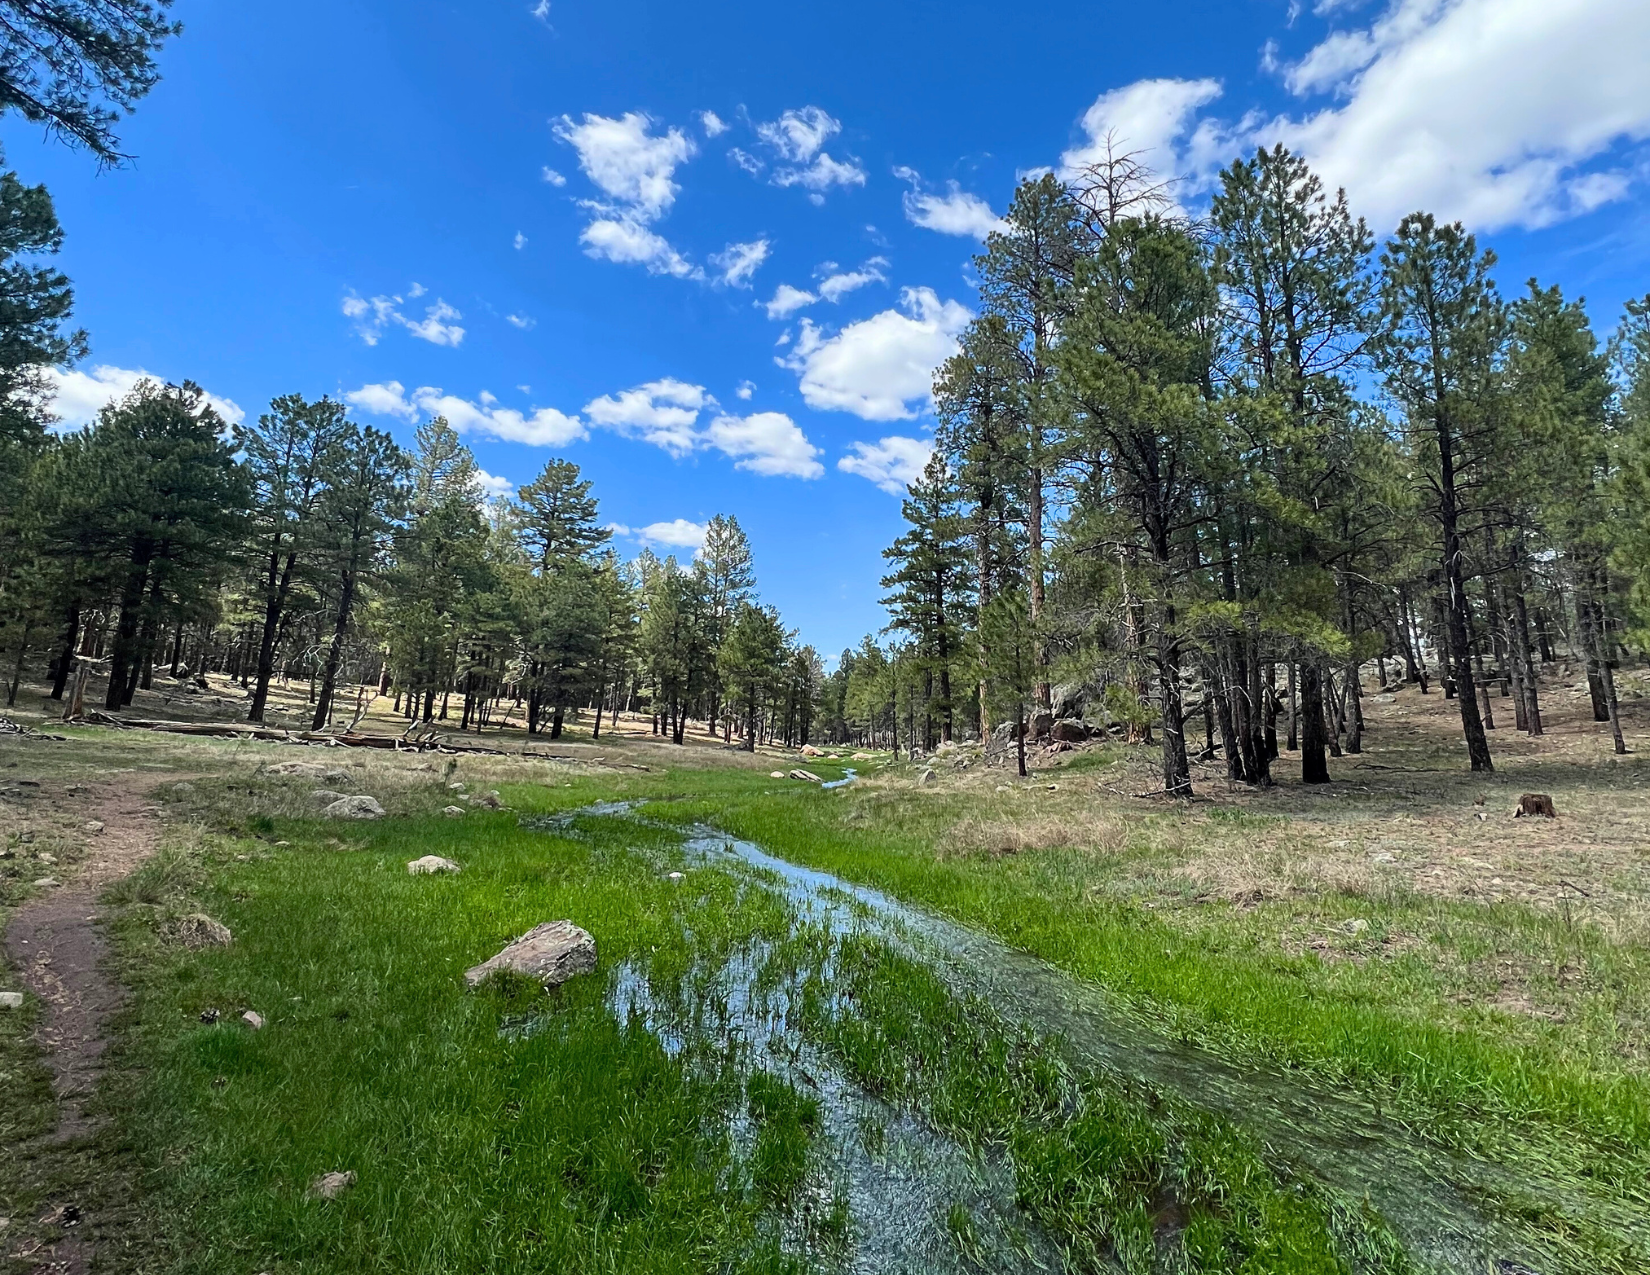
[(1041, 724), (808, 750), (552, 953), (806, 776), (431, 864), (327, 796), (355, 808), (1069, 732), (926, 778)]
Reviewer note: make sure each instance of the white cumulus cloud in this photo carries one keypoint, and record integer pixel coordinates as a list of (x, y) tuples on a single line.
[(541, 427), (678, 533), (634, 168), (1148, 117), (893, 464), (494, 486), (77, 397), (837, 283), (663, 412), (739, 261), (799, 137), (767, 443), (786, 301), (552, 176), (879, 367), (372, 315), (713, 124), (956, 212), (1494, 112)]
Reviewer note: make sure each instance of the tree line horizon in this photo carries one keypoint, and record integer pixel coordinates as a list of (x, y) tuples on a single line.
[(1183, 468)]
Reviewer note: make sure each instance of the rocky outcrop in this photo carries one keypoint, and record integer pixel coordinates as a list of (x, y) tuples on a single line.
[(806, 776), (552, 953)]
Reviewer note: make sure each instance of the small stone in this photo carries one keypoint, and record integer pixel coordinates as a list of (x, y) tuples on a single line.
[(46, 882), (927, 778), (329, 1186), (94, 826), (552, 953), (455, 787), (776, 774), (354, 808), (1356, 926), (209, 1015), (487, 800), (48, 859), (676, 876), (253, 1019), (1383, 857), (197, 931), (242, 858), (453, 812), (26, 836), (283, 843), (11, 1000), (183, 789), (430, 864)]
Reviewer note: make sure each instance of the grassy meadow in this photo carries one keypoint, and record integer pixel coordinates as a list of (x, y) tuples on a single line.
[(1350, 934)]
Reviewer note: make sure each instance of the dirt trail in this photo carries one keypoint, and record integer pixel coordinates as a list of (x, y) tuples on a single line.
[(55, 941)]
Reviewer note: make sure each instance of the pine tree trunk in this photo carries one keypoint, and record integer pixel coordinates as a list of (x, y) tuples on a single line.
[(1314, 762)]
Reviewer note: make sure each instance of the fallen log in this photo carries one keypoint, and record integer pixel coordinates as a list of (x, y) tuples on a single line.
[(406, 742)]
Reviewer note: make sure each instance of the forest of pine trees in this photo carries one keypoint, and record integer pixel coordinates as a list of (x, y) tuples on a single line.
[(307, 550), (1193, 477)]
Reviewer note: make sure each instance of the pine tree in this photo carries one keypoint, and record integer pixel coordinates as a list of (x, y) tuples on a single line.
[(930, 584), (1444, 327)]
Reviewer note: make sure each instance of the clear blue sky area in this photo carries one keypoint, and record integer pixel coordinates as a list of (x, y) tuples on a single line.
[(524, 217)]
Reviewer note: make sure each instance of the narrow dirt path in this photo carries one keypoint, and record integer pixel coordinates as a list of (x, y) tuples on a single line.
[(55, 941)]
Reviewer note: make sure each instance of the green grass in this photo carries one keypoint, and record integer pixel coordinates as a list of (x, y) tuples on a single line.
[(1116, 1173), (576, 1138), (572, 1141)]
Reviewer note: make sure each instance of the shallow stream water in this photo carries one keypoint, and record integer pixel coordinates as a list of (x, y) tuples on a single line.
[(897, 1194)]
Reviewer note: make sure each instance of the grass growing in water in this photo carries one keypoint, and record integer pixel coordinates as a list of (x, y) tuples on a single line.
[(1117, 1174)]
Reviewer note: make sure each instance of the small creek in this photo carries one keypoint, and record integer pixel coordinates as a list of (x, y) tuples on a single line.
[(897, 1193)]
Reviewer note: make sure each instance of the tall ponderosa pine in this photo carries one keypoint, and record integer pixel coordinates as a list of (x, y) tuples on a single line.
[(1444, 329), (1136, 366), (291, 455), (359, 512), (1293, 266)]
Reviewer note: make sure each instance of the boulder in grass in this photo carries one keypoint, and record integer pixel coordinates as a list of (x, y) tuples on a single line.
[(355, 808), (806, 776), (808, 750), (550, 953), (431, 864), (329, 1186), (327, 796), (776, 774), (11, 1000), (926, 778), (487, 801), (198, 931), (1069, 732), (453, 812)]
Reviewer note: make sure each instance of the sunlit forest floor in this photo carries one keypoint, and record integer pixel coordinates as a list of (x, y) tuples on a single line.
[(1395, 934)]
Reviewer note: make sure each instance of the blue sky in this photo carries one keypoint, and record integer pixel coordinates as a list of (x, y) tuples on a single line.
[(710, 253)]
